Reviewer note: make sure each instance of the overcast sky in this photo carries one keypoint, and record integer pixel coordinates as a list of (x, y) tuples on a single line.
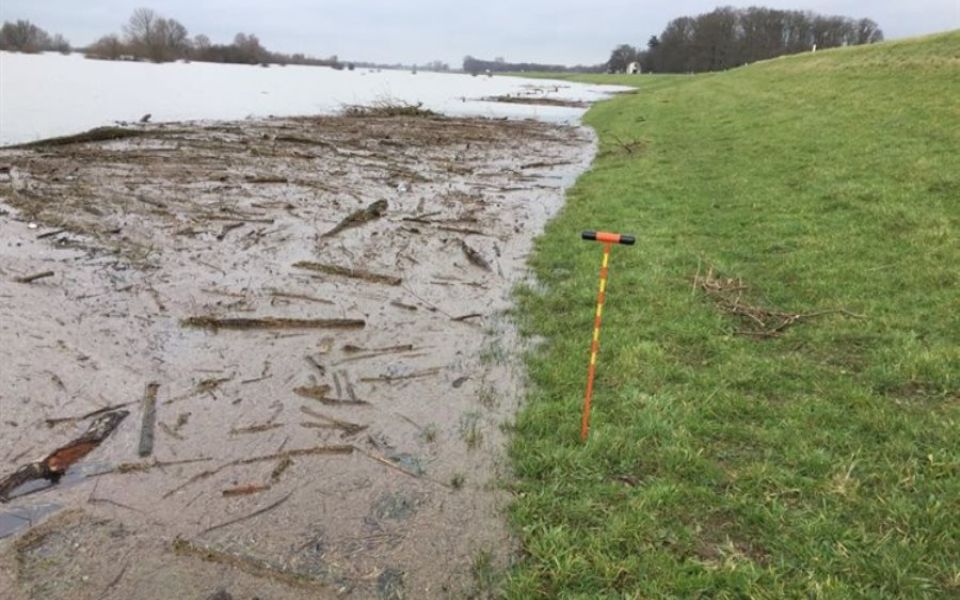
[(549, 31)]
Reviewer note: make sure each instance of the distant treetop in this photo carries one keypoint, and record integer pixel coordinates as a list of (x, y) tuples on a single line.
[(729, 37)]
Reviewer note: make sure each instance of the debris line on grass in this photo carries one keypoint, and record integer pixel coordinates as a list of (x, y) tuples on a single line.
[(759, 322)]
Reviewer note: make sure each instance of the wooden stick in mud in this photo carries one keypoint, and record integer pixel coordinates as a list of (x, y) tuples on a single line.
[(251, 566), (345, 426), (316, 392), (147, 427), (348, 272), (84, 417), (208, 322), (244, 490), (255, 513), (34, 277), (56, 464)]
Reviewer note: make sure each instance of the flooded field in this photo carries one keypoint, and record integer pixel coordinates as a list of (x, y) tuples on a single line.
[(47, 95), (305, 320)]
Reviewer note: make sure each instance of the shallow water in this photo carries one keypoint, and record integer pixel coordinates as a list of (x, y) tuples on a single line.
[(49, 94), (148, 244)]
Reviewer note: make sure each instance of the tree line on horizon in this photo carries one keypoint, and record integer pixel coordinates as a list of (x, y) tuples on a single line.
[(476, 66), (24, 36), (724, 38), (148, 36), (730, 37), (151, 37)]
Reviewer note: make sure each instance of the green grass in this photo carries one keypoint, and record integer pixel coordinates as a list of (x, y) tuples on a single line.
[(822, 463)]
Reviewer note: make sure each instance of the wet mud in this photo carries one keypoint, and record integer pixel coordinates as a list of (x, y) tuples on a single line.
[(294, 431)]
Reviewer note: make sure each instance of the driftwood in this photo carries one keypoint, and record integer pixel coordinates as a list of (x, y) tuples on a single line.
[(244, 490), (255, 513), (255, 428), (251, 566), (279, 294), (346, 427), (475, 257), (34, 277), (285, 463), (215, 323), (348, 272), (149, 420), (99, 411), (287, 454), (389, 378), (359, 217), (53, 467), (350, 348), (315, 392)]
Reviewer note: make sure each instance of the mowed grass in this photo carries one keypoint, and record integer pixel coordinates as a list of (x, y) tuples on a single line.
[(821, 463)]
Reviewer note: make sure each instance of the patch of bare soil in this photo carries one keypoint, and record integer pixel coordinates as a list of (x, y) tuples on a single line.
[(304, 319)]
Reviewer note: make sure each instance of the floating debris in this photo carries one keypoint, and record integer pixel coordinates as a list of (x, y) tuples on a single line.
[(99, 411), (316, 450), (390, 378), (244, 490), (255, 428), (315, 392), (272, 323), (250, 566), (359, 217), (149, 420), (34, 277), (345, 426), (53, 467), (474, 256), (285, 463), (348, 272)]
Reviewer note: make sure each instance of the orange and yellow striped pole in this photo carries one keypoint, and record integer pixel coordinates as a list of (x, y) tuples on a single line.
[(608, 240)]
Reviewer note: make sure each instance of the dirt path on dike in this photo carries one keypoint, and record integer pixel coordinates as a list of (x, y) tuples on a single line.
[(315, 308)]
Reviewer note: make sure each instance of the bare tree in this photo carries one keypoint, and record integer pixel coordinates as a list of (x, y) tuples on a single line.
[(155, 38), (23, 36), (60, 44), (621, 57), (109, 47), (201, 42)]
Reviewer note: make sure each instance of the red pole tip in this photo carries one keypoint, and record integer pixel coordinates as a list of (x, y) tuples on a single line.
[(608, 238)]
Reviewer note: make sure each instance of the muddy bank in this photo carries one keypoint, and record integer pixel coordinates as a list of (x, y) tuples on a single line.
[(305, 320)]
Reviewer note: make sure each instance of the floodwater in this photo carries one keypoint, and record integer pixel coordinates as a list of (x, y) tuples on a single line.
[(288, 462), (47, 95)]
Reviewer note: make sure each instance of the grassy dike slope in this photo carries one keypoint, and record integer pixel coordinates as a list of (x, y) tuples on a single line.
[(824, 462)]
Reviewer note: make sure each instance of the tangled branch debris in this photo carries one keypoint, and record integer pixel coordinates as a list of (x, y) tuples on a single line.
[(759, 322), (389, 108)]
